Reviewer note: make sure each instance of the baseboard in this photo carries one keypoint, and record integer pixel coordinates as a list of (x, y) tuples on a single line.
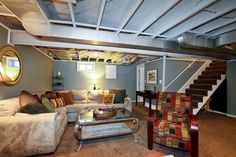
[(226, 114)]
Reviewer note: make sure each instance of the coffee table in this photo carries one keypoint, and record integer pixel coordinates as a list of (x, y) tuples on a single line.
[(88, 127)]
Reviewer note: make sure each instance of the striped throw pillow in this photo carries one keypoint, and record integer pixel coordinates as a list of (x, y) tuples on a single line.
[(58, 102)]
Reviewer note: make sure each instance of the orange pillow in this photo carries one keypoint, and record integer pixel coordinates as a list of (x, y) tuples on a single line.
[(108, 98), (68, 98)]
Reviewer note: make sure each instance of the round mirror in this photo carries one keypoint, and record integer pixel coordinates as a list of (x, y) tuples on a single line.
[(10, 66)]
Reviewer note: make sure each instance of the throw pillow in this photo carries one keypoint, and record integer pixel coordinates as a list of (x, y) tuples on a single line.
[(58, 102), (50, 95), (37, 97), (34, 108), (120, 95), (67, 97), (26, 98), (47, 104), (108, 98)]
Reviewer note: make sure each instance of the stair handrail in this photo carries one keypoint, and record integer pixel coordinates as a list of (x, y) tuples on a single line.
[(180, 73), (194, 76)]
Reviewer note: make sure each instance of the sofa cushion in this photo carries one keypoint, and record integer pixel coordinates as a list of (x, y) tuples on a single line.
[(79, 94), (47, 104), (34, 108), (67, 96), (26, 98), (58, 102), (119, 95)]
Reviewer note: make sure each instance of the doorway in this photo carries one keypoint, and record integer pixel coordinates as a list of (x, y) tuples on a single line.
[(140, 86)]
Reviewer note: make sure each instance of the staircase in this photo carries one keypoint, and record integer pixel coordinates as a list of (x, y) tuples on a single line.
[(206, 83)]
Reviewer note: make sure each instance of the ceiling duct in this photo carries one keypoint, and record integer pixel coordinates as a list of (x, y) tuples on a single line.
[(190, 41)]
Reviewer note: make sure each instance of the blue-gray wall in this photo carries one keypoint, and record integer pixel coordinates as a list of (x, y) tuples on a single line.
[(173, 69), (154, 65), (37, 70), (126, 77), (231, 87)]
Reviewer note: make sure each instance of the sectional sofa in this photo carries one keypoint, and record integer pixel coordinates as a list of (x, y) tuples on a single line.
[(26, 134)]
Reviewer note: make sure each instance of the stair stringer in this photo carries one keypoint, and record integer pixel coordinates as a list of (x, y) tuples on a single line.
[(210, 92), (195, 76)]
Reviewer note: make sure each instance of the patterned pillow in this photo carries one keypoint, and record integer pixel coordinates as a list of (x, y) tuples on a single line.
[(108, 99), (58, 102)]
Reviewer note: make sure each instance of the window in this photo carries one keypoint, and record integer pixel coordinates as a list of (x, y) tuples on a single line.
[(84, 66), (12, 62)]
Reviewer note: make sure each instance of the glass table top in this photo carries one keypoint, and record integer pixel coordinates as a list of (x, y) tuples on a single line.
[(86, 116)]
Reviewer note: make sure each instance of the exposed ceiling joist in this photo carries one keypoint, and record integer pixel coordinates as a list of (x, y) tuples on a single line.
[(217, 23), (220, 8), (72, 15), (153, 17), (132, 8), (102, 7), (222, 30), (186, 14)]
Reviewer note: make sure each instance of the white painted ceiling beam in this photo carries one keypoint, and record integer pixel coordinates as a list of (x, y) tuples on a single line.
[(23, 38), (219, 9), (101, 27), (130, 10), (153, 17), (72, 15), (200, 5), (101, 11)]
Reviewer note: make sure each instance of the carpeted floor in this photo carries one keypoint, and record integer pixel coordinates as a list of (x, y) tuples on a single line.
[(216, 138)]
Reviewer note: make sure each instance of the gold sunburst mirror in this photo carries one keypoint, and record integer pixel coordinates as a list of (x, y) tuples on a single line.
[(10, 66)]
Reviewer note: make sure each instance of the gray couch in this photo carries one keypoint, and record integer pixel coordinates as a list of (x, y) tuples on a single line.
[(24, 134)]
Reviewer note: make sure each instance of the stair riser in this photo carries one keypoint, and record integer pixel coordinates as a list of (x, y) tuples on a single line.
[(197, 98), (200, 92), (223, 67), (217, 64), (212, 82), (195, 104), (197, 86), (213, 72), (217, 77)]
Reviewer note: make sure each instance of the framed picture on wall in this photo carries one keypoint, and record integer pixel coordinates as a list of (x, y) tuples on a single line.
[(152, 76)]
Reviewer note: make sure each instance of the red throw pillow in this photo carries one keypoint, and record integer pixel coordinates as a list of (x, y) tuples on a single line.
[(68, 98), (51, 95)]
